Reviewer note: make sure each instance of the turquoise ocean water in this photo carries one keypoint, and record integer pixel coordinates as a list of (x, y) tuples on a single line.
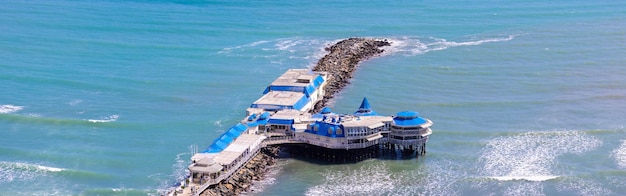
[(106, 97)]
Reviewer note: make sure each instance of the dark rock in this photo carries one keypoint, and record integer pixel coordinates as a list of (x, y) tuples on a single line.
[(229, 187), (341, 62)]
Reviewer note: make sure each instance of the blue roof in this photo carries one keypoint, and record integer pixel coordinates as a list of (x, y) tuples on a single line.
[(225, 139), (281, 121), (262, 120), (321, 128), (408, 118), (365, 109), (407, 114), (265, 115), (326, 110), (252, 117), (365, 105)]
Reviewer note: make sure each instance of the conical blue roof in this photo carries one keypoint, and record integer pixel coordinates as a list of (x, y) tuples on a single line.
[(365, 105), (365, 109)]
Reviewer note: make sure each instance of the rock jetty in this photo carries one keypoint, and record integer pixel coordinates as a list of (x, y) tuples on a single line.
[(340, 63)]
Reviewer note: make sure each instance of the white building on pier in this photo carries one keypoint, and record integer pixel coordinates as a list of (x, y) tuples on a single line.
[(282, 115)]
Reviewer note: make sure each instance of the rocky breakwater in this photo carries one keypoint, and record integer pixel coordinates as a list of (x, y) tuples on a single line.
[(341, 62), (241, 180)]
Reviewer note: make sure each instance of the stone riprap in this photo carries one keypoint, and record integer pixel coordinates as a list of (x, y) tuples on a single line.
[(341, 62)]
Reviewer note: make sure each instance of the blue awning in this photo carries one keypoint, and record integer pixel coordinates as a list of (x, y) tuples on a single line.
[(281, 121), (225, 139)]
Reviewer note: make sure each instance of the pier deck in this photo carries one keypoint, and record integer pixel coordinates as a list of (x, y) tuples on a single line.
[(291, 111)]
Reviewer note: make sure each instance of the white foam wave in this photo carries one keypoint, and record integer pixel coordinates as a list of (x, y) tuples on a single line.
[(253, 44), (17, 171), (373, 179), (376, 179), (530, 156), (51, 169), (218, 123), (620, 155), (443, 44), (290, 45), (416, 45), (6, 109), (525, 178), (111, 118), (443, 177), (75, 102), (582, 187), (179, 173), (180, 166), (287, 44)]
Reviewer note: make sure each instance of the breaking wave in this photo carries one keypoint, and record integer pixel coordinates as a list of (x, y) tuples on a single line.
[(527, 158), (373, 179), (16, 171), (111, 118), (526, 178), (582, 187), (530, 156), (241, 47), (291, 47), (310, 50), (377, 179), (620, 155), (6, 109), (416, 45), (179, 173)]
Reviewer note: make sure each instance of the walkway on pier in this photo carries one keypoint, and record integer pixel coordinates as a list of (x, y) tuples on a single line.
[(196, 189)]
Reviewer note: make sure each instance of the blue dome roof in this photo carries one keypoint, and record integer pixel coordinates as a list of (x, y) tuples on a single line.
[(408, 114), (408, 118)]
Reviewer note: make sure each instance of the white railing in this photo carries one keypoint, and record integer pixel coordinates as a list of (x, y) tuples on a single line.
[(291, 139), (410, 132), (340, 146)]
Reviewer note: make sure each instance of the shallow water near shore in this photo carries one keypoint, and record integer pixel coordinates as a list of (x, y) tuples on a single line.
[(106, 97)]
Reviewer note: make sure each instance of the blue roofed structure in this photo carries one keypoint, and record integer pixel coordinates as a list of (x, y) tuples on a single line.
[(327, 129), (326, 110), (296, 89), (281, 121), (256, 120), (226, 138), (408, 118), (365, 109), (283, 116)]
